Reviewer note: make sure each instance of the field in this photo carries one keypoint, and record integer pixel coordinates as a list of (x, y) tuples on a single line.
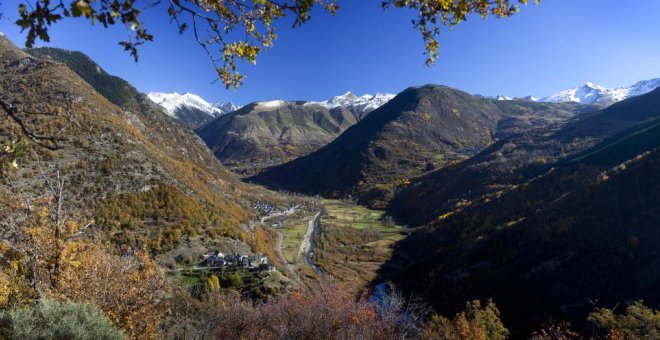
[(293, 236), (250, 283), (353, 242)]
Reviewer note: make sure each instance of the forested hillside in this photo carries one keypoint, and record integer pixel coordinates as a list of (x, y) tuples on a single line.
[(571, 234), (101, 150)]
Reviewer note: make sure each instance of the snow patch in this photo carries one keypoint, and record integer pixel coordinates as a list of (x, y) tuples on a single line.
[(366, 102), (270, 104)]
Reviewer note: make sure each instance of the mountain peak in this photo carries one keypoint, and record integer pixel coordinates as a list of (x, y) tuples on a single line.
[(190, 109), (363, 103), (174, 101), (591, 93)]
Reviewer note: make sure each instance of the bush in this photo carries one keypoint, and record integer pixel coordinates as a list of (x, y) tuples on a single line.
[(637, 322), (473, 323), (51, 319)]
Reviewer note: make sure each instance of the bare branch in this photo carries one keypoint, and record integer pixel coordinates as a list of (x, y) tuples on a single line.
[(48, 142)]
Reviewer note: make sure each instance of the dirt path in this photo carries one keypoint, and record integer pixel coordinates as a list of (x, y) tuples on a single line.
[(294, 273)]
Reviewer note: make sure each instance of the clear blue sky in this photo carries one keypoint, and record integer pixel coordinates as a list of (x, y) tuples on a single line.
[(543, 49)]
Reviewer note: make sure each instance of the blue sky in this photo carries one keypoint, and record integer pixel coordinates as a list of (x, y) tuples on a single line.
[(543, 49)]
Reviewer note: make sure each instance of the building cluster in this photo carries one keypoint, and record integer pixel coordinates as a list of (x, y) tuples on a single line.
[(219, 260)]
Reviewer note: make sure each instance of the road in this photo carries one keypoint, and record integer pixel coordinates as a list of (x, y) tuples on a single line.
[(306, 249), (310, 242)]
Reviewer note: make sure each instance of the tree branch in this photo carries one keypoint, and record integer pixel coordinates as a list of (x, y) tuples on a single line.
[(48, 142)]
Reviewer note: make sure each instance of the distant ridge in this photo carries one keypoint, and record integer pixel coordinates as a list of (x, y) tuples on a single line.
[(593, 94)]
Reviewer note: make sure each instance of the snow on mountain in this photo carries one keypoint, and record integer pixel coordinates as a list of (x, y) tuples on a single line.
[(271, 104), (173, 102), (226, 107), (362, 103), (586, 94), (501, 97), (590, 93)]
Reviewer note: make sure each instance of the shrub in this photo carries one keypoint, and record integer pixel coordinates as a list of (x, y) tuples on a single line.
[(473, 323), (556, 331), (637, 322), (51, 319)]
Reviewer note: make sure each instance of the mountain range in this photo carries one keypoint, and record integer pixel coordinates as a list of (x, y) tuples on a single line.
[(194, 112), (593, 94), (421, 129), (362, 104), (546, 206), (268, 133)]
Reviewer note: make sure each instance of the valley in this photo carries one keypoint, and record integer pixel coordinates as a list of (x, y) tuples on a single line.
[(545, 209)]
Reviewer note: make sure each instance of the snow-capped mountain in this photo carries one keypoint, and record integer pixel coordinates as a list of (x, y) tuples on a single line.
[(362, 103), (590, 93), (190, 109), (225, 107), (172, 102)]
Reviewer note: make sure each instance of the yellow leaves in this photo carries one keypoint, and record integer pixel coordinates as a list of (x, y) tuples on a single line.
[(242, 50), (445, 216), (213, 283), (10, 153), (131, 289), (82, 7), (5, 290), (475, 322)]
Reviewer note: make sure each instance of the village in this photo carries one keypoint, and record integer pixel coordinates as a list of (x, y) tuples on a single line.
[(218, 260)]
